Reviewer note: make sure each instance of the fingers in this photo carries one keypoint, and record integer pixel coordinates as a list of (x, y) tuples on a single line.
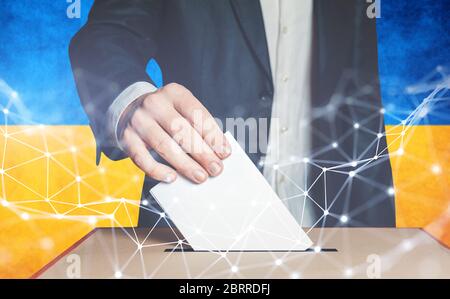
[(178, 127), (200, 119), (190, 141), (156, 138), (139, 154)]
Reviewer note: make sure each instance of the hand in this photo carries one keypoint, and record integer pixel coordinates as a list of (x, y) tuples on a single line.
[(178, 127)]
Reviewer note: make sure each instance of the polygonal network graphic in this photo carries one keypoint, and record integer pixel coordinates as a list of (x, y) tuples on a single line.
[(49, 172)]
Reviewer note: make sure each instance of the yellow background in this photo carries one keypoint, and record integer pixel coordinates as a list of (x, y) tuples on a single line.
[(44, 208)]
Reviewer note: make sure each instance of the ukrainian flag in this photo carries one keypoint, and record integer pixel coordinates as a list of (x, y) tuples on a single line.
[(52, 192), (413, 44)]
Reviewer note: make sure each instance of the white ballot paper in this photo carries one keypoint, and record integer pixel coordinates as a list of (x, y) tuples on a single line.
[(236, 211)]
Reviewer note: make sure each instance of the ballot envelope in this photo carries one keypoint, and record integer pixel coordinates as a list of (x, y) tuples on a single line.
[(235, 211)]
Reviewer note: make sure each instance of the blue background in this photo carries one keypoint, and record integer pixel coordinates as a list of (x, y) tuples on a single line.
[(413, 40), (34, 59)]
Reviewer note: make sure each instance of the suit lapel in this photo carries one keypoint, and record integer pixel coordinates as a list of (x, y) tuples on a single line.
[(249, 16)]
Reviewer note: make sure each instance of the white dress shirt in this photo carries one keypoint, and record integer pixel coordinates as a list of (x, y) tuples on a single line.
[(288, 26)]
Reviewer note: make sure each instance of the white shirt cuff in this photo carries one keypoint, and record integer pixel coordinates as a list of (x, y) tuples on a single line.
[(120, 104)]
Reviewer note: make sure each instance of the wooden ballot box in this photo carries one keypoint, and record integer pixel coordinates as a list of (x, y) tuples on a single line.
[(339, 253)]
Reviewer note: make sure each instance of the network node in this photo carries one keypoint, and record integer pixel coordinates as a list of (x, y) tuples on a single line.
[(407, 245), (436, 169), (46, 243), (92, 220), (118, 274), (293, 158), (391, 191), (348, 272), (423, 112), (330, 107)]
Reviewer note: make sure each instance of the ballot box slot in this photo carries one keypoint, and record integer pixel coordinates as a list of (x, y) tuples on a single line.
[(312, 250)]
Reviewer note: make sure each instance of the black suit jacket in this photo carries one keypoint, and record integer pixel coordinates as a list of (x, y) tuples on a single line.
[(218, 50)]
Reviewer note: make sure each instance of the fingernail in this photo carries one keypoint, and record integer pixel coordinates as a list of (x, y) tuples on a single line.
[(226, 149), (199, 176), (169, 178), (215, 168)]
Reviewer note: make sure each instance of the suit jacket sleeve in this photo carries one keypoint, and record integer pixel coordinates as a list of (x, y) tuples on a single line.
[(109, 54)]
